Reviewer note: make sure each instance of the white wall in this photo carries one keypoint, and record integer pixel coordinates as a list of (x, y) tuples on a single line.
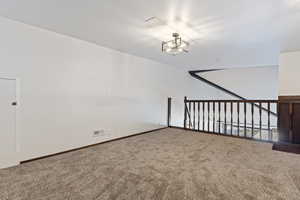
[(250, 83), (289, 71), (69, 88)]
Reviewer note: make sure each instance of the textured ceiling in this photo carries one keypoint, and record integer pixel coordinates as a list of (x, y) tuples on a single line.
[(228, 33)]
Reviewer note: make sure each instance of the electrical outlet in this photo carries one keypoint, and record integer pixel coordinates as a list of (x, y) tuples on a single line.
[(97, 133)]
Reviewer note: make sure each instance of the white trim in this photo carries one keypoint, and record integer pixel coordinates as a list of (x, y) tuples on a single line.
[(17, 120)]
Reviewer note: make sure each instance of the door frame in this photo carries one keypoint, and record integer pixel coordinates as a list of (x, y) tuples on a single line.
[(17, 119)]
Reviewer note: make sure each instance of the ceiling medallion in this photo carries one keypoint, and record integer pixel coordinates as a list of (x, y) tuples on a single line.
[(175, 46)]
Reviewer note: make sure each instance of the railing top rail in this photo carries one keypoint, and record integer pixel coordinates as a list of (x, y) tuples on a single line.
[(235, 101)]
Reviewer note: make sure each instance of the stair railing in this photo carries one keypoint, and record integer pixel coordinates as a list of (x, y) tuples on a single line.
[(240, 118)]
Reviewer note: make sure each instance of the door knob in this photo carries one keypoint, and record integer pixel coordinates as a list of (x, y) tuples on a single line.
[(14, 103)]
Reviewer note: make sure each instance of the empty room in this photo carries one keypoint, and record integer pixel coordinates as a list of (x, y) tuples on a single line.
[(150, 100)]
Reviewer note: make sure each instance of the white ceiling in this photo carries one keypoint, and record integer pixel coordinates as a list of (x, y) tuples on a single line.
[(223, 33)]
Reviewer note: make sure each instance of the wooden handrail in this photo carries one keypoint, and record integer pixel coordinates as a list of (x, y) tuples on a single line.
[(235, 101)]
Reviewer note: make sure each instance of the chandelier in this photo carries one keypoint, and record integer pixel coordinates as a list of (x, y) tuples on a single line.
[(175, 46)]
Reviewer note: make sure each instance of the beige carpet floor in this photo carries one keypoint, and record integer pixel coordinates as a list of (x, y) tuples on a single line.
[(170, 164)]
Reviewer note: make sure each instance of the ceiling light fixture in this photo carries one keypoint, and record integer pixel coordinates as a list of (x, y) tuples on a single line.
[(175, 46)]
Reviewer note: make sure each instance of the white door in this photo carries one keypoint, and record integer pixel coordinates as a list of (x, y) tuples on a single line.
[(8, 150)]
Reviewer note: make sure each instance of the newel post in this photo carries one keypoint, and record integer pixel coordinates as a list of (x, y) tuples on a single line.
[(185, 112), (169, 111)]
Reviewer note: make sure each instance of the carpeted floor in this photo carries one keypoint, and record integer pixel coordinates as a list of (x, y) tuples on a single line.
[(170, 164)]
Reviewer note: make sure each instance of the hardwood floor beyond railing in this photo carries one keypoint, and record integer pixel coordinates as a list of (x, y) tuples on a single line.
[(253, 119)]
